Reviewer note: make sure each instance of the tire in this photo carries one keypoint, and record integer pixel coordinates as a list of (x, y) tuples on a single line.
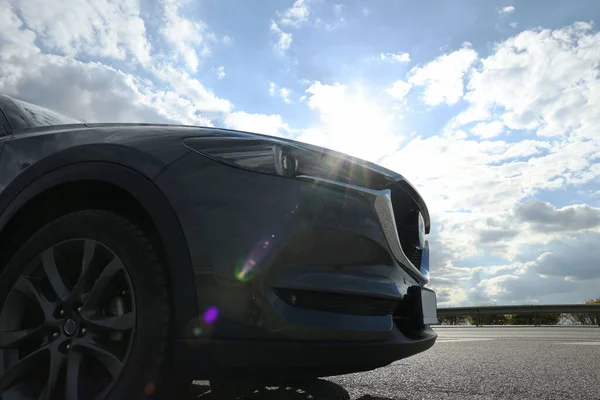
[(134, 321)]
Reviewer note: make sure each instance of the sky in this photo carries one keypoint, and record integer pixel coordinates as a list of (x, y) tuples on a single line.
[(490, 108)]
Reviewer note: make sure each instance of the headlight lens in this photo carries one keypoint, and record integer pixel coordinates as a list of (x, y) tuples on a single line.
[(255, 155), (271, 156)]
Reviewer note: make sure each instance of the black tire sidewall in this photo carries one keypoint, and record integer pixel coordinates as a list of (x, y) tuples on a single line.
[(140, 373)]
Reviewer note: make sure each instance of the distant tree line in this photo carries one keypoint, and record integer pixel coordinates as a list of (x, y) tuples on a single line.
[(586, 318), (503, 319), (525, 319)]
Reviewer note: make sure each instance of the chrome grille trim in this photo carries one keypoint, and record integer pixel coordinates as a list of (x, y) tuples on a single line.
[(381, 201)]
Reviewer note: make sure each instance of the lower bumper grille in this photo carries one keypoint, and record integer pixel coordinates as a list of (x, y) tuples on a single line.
[(338, 303), (382, 202), (413, 254)]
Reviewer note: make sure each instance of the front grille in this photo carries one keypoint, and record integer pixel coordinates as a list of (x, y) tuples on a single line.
[(338, 303), (414, 254), (406, 216)]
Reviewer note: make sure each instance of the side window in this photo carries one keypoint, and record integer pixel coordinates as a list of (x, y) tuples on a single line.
[(40, 116)]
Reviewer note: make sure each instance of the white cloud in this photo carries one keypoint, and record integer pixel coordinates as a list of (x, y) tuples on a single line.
[(106, 28), (300, 14), (443, 77), (296, 15), (542, 79), (18, 42), (285, 95), (399, 57), (260, 123), (96, 92), (186, 36), (536, 96), (566, 273), (544, 217), (399, 89), (545, 81), (486, 179), (220, 71), (351, 120), (330, 26), (99, 93), (513, 25), (488, 130), (496, 235), (448, 294), (227, 39), (507, 10), (576, 257), (183, 84), (284, 40)]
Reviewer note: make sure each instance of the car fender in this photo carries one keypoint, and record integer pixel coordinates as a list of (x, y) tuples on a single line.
[(143, 189)]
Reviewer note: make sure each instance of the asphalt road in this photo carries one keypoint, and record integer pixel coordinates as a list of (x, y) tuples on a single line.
[(471, 363)]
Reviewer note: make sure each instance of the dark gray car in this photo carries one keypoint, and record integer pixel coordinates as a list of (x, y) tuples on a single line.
[(136, 257)]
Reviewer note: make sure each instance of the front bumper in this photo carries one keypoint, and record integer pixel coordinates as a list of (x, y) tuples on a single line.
[(259, 241), (275, 361)]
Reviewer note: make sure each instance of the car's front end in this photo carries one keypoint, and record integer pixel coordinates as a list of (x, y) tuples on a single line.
[(307, 262)]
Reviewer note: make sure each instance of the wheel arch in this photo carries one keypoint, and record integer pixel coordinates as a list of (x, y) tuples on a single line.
[(44, 199)]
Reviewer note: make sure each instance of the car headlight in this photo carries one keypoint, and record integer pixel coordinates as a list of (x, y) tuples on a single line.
[(277, 157)]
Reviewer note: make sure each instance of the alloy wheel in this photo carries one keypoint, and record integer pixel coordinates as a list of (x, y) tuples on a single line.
[(67, 324)]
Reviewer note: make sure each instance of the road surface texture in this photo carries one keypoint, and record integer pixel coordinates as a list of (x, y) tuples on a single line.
[(469, 363)]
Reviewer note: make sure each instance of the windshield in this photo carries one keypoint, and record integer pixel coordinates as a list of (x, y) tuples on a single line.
[(37, 116)]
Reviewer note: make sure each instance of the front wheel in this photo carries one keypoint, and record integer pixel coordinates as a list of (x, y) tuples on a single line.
[(84, 312)]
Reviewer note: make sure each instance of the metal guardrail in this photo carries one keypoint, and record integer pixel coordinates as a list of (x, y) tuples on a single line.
[(534, 310)]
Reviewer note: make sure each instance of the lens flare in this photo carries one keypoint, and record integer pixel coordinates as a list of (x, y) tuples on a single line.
[(211, 314), (245, 269)]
